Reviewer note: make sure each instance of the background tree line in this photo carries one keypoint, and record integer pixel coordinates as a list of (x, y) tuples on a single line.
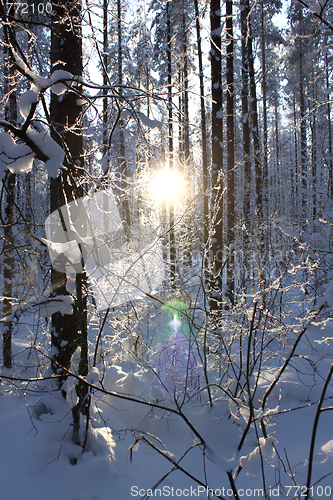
[(214, 91)]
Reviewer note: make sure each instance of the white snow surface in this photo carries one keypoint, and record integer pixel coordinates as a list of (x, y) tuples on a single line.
[(27, 99), (16, 157), (39, 460), (50, 148), (148, 122)]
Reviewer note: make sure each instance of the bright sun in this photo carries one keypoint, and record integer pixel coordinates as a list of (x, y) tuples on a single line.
[(166, 185)]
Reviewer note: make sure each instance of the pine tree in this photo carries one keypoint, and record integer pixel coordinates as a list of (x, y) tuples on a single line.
[(217, 156)]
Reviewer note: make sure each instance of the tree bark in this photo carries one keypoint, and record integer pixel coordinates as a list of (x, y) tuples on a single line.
[(230, 154), (8, 248), (314, 151), (255, 129), (66, 54), (246, 122), (217, 157), (205, 173), (330, 159), (264, 112), (171, 212), (122, 155), (302, 110)]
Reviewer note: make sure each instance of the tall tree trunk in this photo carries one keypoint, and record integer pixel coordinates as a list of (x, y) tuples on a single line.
[(105, 77), (257, 167), (330, 151), (105, 115), (230, 154), (181, 150), (246, 129), (205, 173), (255, 128), (185, 94), (314, 151), (68, 330), (171, 212), (122, 156), (8, 267), (217, 157), (277, 152), (296, 190), (302, 110), (264, 112), (8, 248)]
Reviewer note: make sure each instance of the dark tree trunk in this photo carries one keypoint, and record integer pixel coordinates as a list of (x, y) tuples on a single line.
[(264, 112), (122, 155), (257, 166), (246, 124), (330, 159), (205, 173), (277, 143), (255, 129), (302, 110), (8, 248), (105, 77), (314, 151), (171, 213), (296, 190), (185, 95), (69, 330), (230, 154), (217, 157), (65, 115)]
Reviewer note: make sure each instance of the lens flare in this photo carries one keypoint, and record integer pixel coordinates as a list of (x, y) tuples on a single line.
[(166, 185), (177, 360)]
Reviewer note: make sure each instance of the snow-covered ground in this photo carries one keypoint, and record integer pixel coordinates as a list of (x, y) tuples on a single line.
[(138, 451)]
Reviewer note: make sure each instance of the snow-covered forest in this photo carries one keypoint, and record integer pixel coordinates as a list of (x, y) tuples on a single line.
[(166, 265)]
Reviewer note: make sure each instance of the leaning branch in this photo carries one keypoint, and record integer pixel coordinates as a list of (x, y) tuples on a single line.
[(318, 16)]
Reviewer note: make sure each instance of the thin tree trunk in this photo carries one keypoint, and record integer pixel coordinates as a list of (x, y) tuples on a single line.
[(264, 110), (185, 95), (122, 156), (277, 152), (8, 248), (246, 129), (255, 128), (257, 167), (171, 213), (230, 154), (296, 190), (8, 264), (217, 157), (314, 152), (205, 173), (330, 159), (105, 113), (181, 155), (105, 77), (303, 124)]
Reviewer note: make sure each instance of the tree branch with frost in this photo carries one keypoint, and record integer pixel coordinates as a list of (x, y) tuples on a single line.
[(287, 361), (314, 431), (22, 134), (156, 485), (317, 9), (171, 459)]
